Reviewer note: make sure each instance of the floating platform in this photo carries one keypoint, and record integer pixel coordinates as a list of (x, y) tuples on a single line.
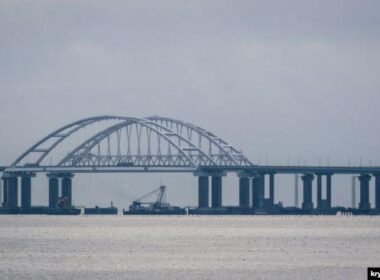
[(40, 211), (155, 211), (359, 212), (221, 211), (101, 211), (68, 211)]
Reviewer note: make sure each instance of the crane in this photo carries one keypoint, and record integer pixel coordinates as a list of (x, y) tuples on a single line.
[(153, 203), (159, 202)]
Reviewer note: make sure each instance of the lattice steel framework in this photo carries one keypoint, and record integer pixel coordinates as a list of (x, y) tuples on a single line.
[(147, 142)]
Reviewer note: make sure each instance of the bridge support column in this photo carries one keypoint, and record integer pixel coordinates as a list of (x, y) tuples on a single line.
[(12, 192), (364, 191), (258, 190), (244, 192), (26, 191), (328, 191), (271, 188), (53, 191), (307, 191), (255, 192), (203, 192), (5, 192), (67, 189), (319, 191), (216, 195), (261, 191), (377, 191)]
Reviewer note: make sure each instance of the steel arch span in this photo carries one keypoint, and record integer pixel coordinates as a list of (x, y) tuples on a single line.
[(133, 144)]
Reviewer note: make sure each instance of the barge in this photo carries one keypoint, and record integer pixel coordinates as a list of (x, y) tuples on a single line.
[(101, 210)]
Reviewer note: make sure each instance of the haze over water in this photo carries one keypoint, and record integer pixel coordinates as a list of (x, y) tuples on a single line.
[(188, 247)]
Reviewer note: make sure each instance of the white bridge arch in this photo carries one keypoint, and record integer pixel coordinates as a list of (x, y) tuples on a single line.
[(148, 144)]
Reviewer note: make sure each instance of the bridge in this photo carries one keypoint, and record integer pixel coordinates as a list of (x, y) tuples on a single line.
[(161, 144)]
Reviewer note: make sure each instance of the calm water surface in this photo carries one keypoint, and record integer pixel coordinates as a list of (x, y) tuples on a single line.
[(200, 247)]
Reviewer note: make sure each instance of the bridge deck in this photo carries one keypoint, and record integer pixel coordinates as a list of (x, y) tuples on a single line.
[(249, 169)]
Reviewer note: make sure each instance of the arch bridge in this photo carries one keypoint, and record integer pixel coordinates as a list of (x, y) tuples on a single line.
[(132, 144), (160, 144)]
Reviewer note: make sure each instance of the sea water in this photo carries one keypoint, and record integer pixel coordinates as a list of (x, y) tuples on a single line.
[(188, 247)]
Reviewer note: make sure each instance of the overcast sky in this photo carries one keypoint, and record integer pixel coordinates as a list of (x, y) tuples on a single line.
[(277, 79)]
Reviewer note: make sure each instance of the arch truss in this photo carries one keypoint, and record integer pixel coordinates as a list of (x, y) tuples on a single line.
[(129, 142)]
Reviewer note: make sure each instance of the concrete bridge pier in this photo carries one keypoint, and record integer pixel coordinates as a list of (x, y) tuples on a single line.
[(377, 191), (216, 191), (328, 191), (324, 203), (255, 191), (203, 191), (261, 191), (53, 190), (67, 188), (11, 189), (244, 191), (26, 191), (203, 188), (258, 191), (319, 191), (5, 192), (307, 191), (12, 192), (364, 191), (271, 189)]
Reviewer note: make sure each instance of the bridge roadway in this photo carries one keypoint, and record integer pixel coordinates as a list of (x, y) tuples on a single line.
[(251, 183), (267, 169)]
